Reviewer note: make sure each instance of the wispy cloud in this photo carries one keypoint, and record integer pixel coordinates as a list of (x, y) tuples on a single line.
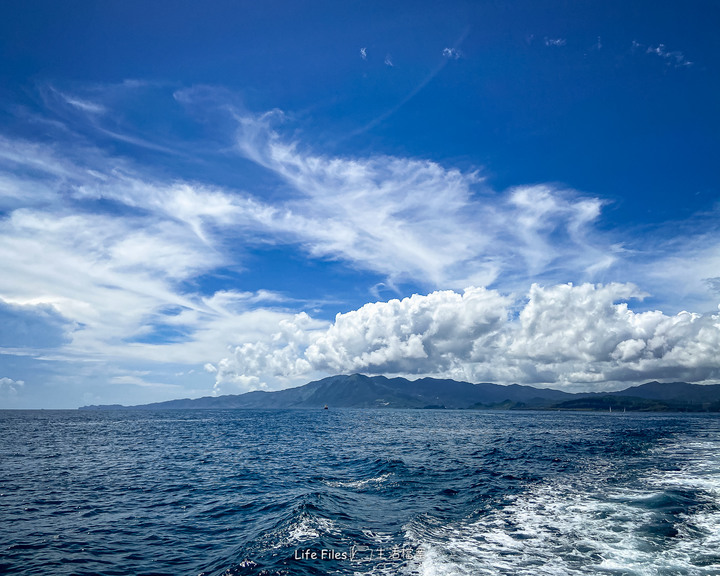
[(388, 61), (557, 42), (85, 105), (409, 218), (90, 111), (363, 53), (95, 282), (451, 53), (672, 58)]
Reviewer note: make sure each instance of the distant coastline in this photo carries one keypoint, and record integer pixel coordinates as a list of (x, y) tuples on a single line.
[(359, 391)]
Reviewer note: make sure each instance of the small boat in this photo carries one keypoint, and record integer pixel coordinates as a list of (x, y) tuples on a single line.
[(325, 408)]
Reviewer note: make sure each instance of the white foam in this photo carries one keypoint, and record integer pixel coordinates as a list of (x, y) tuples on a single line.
[(308, 528), (568, 529), (700, 467), (361, 484)]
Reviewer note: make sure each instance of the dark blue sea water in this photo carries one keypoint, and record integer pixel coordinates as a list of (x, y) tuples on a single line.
[(358, 492)]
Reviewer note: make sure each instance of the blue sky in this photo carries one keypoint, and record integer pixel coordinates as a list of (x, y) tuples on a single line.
[(210, 198)]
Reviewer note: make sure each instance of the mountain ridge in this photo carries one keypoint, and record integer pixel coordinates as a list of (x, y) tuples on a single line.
[(360, 391)]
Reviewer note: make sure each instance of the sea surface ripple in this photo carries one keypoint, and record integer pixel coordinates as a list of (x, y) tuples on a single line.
[(310, 492)]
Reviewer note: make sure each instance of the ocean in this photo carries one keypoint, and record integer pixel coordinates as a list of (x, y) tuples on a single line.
[(314, 492)]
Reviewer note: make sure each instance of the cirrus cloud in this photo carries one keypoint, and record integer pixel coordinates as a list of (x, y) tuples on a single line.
[(415, 219)]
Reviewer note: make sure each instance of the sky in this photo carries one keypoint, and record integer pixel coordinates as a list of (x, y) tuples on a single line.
[(204, 198)]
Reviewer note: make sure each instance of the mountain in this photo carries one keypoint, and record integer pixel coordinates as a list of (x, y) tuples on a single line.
[(651, 397), (359, 391), (674, 391)]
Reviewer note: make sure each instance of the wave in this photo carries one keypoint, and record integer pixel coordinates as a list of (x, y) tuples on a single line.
[(661, 522)]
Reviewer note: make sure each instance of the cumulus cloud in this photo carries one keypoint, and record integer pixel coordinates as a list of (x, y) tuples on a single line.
[(274, 360), (10, 387), (416, 335), (567, 336), (420, 334)]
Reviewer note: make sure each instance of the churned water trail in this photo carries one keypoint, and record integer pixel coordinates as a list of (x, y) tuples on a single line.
[(312, 492)]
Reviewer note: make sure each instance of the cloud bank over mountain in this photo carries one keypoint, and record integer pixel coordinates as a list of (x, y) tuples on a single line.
[(562, 336)]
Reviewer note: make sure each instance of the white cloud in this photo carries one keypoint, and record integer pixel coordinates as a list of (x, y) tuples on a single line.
[(451, 53), (565, 336), (555, 41), (416, 335), (99, 271), (587, 334), (673, 58), (420, 334), (273, 361), (414, 219), (566, 322), (110, 277), (539, 214), (140, 380), (388, 61), (9, 387), (363, 53), (85, 105)]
